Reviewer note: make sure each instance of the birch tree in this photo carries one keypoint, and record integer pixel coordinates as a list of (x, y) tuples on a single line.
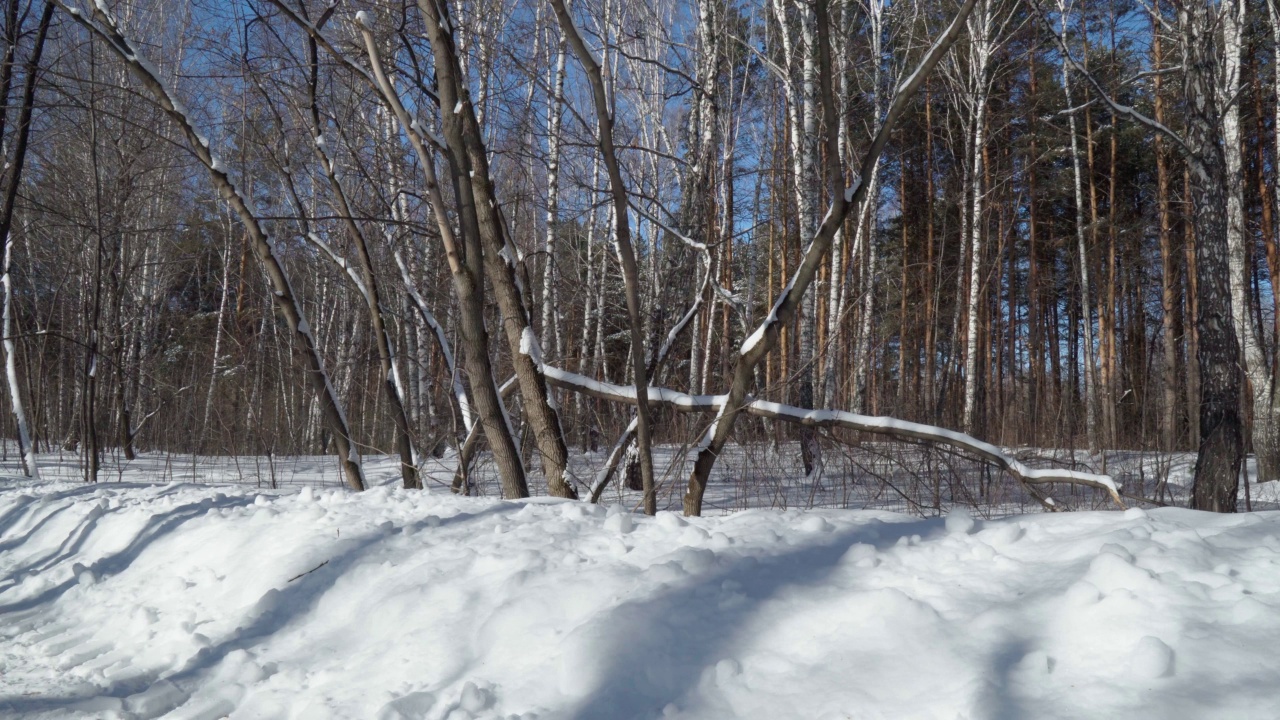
[(101, 25), (1221, 451), (844, 199)]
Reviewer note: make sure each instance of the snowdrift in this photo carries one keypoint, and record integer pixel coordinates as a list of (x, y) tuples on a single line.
[(128, 600)]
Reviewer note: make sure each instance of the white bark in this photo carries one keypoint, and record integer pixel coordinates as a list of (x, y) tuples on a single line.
[(442, 343), (29, 465), (550, 309), (1239, 251), (1090, 381), (863, 246), (217, 334), (982, 47)]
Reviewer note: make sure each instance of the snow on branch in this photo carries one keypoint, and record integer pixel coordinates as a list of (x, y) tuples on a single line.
[(342, 264), (1115, 107), (887, 426), (442, 342)]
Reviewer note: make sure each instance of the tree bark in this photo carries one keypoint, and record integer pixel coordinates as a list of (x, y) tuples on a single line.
[(622, 236), (1217, 473), (481, 215), (765, 338)]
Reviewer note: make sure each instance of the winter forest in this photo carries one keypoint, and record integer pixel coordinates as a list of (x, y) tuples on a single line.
[(513, 231), (610, 359)]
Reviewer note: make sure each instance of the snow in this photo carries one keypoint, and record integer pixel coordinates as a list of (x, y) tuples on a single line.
[(530, 346), (144, 600), (852, 190)]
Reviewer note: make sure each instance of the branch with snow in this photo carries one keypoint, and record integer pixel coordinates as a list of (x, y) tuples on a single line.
[(442, 342), (100, 24), (887, 426), (1116, 107), (342, 264)]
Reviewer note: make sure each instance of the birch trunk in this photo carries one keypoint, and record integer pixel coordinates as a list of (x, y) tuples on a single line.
[(982, 44), (550, 310), (25, 448), (765, 337), (1090, 381), (1168, 298), (1217, 473), (1266, 444), (13, 178), (104, 27), (217, 337)]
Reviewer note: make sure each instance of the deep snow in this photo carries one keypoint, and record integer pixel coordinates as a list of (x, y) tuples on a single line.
[(137, 600)]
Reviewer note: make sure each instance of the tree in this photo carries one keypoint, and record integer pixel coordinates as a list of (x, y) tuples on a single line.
[(1221, 451)]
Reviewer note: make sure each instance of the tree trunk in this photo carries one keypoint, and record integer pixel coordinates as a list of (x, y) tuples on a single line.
[(1090, 384), (466, 268), (480, 215), (784, 307), (1217, 474), (1169, 408), (622, 236)]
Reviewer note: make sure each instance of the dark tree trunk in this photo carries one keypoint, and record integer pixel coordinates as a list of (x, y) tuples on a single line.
[(1217, 476)]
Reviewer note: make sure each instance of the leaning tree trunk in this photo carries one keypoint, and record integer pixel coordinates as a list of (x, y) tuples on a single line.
[(103, 26), (622, 236), (466, 269), (481, 215), (765, 337), (367, 282)]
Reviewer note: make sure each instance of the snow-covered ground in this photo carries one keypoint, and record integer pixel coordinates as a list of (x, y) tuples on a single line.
[(881, 476), (129, 599)]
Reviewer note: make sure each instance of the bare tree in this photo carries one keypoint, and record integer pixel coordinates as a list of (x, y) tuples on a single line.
[(101, 25), (844, 199)]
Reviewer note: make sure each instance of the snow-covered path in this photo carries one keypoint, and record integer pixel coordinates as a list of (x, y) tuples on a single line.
[(134, 600)]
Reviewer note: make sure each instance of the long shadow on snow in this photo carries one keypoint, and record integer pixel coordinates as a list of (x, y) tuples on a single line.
[(27, 501), (156, 527), (69, 546), (660, 646), (15, 513), (276, 610), (14, 542)]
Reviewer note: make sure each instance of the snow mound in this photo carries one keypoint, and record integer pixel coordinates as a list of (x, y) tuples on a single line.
[(131, 600)]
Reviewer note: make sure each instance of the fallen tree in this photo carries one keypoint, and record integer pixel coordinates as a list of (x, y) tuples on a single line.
[(886, 426)]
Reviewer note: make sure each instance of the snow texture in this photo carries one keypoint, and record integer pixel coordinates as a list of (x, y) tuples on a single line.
[(139, 600), (530, 346)]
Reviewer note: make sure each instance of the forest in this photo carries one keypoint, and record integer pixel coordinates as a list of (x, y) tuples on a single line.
[(516, 231), (639, 359)]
